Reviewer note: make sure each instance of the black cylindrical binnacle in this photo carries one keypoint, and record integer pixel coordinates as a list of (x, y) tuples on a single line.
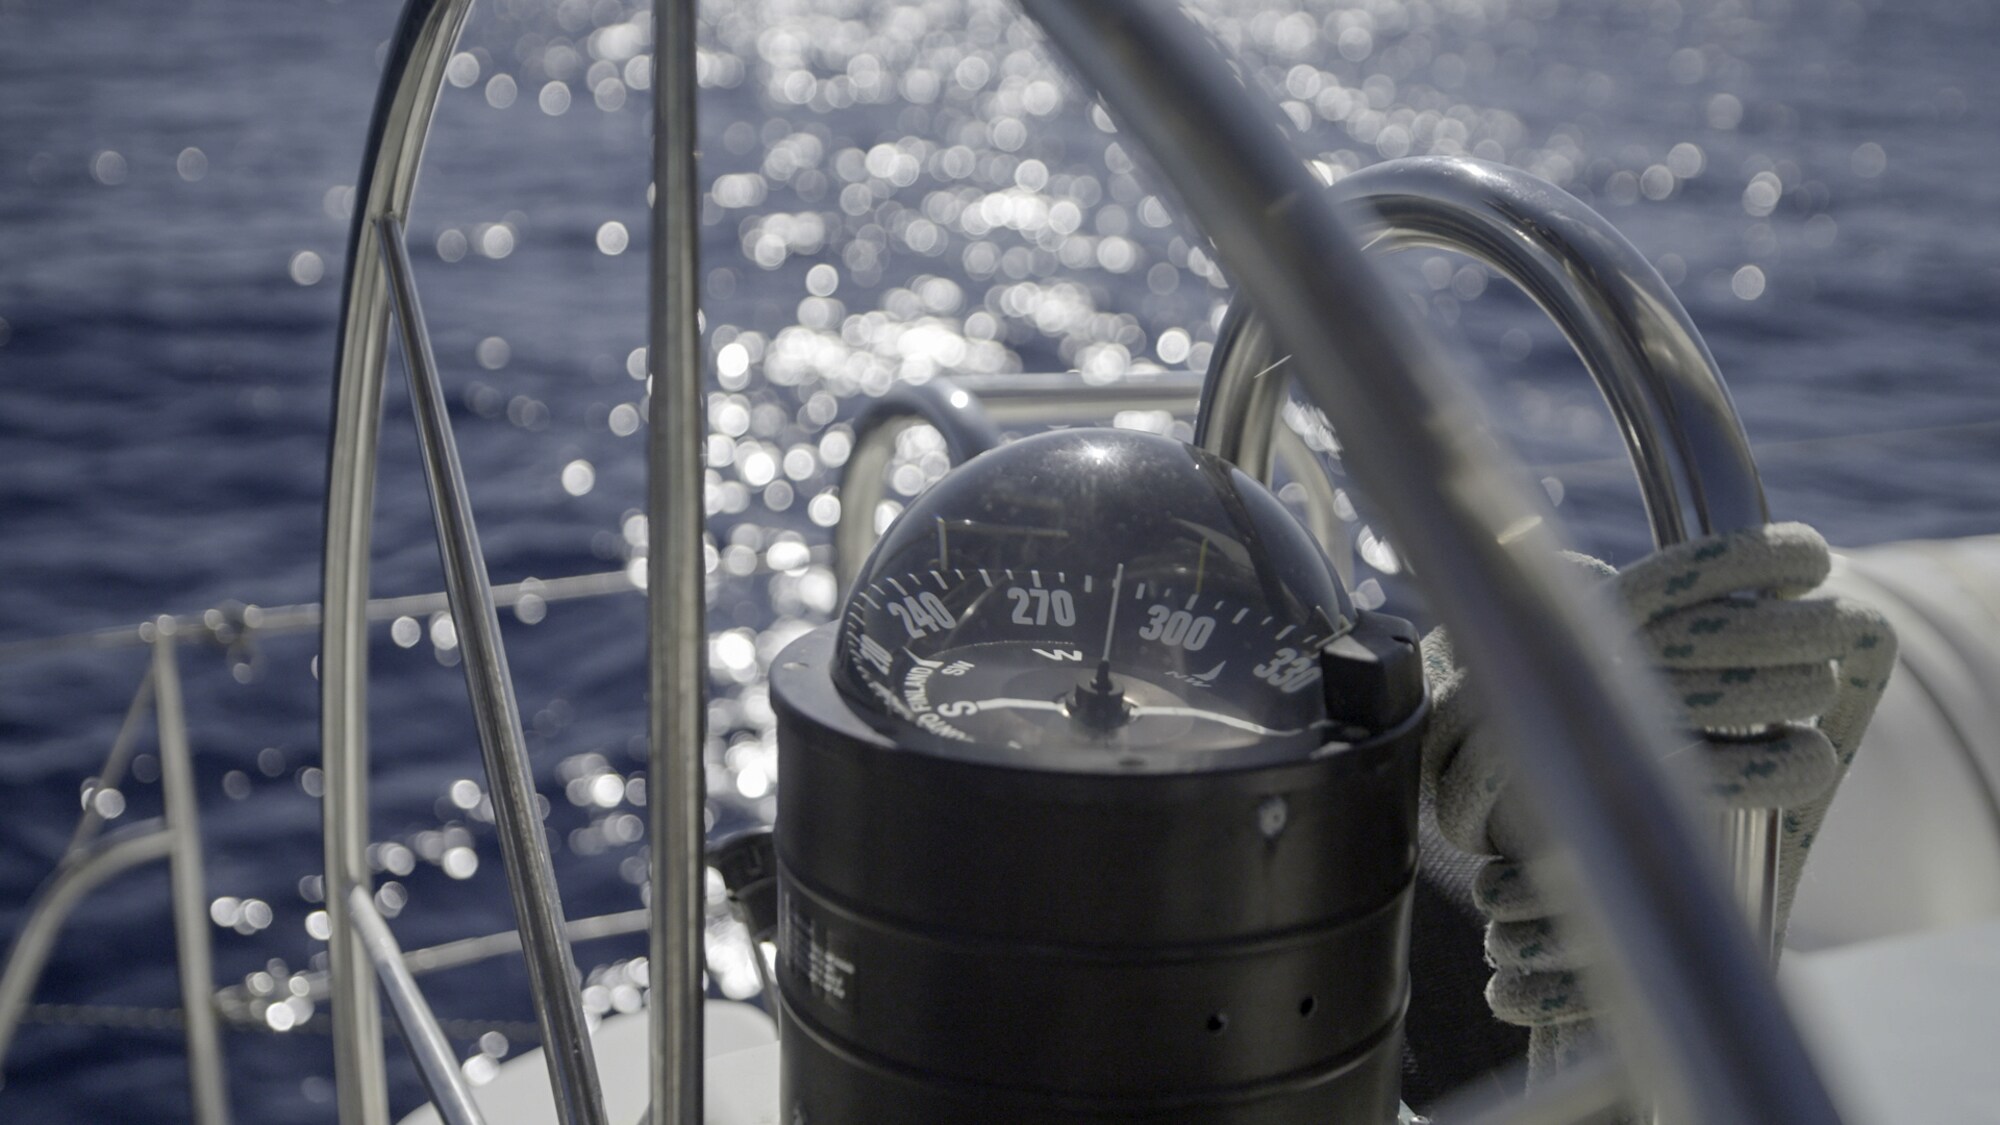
[(967, 942)]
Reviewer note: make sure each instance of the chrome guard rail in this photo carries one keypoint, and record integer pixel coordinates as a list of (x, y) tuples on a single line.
[(190, 895), (90, 859), (1695, 1003), (82, 870), (227, 626), (1686, 442), (1696, 473), (456, 954), (970, 411)]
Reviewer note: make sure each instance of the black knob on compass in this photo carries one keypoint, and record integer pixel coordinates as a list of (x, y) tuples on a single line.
[(1100, 704)]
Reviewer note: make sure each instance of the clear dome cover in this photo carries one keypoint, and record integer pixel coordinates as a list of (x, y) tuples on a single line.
[(1108, 596)]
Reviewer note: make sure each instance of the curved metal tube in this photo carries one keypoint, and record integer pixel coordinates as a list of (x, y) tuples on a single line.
[(969, 413), (112, 774), (1696, 1004), (90, 859), (25, 959), (1686, 441), (411, 77), (1243, 393), (429, 1049), (954, 412), (1239, 420), (87, 867)]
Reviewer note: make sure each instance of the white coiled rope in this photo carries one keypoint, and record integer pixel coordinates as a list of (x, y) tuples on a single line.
[(1741, 648)]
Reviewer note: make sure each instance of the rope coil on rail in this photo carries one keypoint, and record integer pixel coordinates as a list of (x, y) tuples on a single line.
[(1780, 685)]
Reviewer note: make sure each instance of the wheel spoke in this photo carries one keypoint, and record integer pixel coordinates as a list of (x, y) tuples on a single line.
[(552, 973)]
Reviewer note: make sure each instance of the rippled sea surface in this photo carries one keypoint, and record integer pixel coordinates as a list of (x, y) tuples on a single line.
[(897, 191)]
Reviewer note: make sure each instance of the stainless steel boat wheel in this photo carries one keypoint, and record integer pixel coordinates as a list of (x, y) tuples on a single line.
[(1099, 805)]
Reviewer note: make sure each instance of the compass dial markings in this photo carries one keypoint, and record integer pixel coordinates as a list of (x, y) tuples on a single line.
[(1008, 668)]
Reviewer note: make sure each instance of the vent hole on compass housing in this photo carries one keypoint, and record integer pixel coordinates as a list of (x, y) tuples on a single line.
[(1307, 1006), (1218, 1022)]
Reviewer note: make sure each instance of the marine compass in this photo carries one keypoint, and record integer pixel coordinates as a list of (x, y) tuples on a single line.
[(1097, 804)]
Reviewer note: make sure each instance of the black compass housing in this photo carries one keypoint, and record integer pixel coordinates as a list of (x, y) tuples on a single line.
[(1098, 805)]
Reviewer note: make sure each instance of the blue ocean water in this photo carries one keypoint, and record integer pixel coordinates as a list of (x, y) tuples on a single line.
[(900, 189)]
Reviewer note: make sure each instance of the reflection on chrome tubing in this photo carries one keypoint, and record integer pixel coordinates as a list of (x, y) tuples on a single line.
[(1686, 442)]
